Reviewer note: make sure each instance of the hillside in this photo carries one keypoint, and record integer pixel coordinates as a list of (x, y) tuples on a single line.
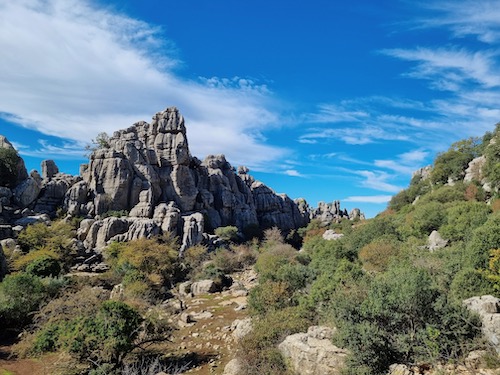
[(411, 291)]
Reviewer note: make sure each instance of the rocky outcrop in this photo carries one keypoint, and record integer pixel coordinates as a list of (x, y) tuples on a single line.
[(312, 353), (488, 308), (148, 171), (328, 213), (330, 235)]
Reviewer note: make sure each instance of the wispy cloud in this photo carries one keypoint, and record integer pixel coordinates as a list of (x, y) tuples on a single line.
[(405, 163), (353, 136), (378, 199), (477, 18), (450, 68), (378, 180), (96, 70)]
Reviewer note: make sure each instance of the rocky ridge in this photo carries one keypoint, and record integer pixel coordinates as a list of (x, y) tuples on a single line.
[(146, 179)]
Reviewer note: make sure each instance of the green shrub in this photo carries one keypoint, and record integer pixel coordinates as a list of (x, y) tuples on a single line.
[(44, 266), (9, 160), (463, 218), (20, 295), (229, 233), (468, 283), (484, 239), (377, 255)]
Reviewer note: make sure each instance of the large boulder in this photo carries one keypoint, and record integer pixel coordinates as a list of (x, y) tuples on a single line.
[(312, 353), (27, 192), (488, 308)]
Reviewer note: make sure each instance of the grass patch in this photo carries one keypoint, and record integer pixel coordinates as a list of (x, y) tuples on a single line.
[(5, 372)]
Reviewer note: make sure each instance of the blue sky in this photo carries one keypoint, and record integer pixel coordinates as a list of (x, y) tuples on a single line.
[(321, 99)]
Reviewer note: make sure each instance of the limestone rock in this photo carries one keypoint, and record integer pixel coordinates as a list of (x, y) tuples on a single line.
[(193, 230), (75, 199), (233, 367), (435, 241), (204, 287), (328, 213), (144, 208), (53, 192), (422, 173), (84, 228), (26, 192), (138, 228), (241, 327), (309, 354), (49, 169), (330, 234), (399, 369), (167, 216), (103, 230), (488, 308)]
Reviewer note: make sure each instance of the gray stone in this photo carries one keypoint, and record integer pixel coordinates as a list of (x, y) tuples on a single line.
[(49, 169), (330, 235), (435, 241), (193, 231), (310, 355), (204, 287), (233, 367), (28, 220), (5, 231), (26, 192), (488, 308), (241, 327)]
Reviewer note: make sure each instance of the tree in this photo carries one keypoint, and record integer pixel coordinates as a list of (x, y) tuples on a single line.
[(9, 160), (99, 142)]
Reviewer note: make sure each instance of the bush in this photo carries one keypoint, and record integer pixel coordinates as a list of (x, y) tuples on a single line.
[(484, 239), (468, 283), (20, 295), (105, 337), (377, 255), (402, 319), (229, 233), (44, 266), (463, 218)]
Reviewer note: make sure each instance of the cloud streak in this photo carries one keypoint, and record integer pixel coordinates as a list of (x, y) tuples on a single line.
[(72, 70)]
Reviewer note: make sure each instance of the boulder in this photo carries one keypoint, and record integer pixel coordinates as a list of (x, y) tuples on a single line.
[(204, 287), (26, 192), (241, 327), (488, 308), (312, 353), (192, 231), (435, 241), (474, 171), (49, 169), (330, 234), (21, 173), (233, 367)]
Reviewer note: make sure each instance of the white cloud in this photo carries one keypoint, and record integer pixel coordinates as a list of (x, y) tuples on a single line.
[(471, 17), (354, 136), (405, 163), (72, 70), (293, 173), (377, 180), (378, 199), (450, 68)]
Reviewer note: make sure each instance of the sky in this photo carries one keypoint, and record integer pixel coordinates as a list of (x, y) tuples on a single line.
[(322, 99)]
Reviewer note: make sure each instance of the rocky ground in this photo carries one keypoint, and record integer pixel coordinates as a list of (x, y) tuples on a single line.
[(205, 340)]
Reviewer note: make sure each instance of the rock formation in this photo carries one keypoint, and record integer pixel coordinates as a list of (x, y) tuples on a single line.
[(146, 175)]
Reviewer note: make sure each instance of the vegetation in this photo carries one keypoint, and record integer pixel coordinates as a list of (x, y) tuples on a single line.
[(391, 299), (9, 160)]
